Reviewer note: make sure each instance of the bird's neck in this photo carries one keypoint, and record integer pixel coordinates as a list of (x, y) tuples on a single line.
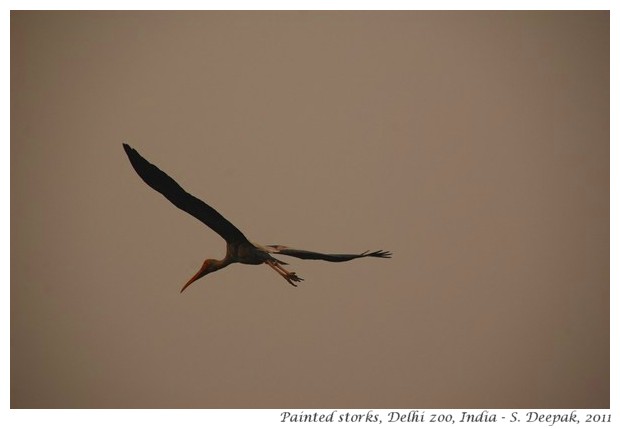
[(218, 264)]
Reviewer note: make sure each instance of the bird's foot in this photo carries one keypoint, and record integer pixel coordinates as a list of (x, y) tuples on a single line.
[(294, 277), (290, 277)]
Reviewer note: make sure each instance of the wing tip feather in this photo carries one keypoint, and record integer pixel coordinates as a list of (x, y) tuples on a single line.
[(379, 254)]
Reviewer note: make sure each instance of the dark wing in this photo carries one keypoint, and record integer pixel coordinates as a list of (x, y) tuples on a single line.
[(170, 189), (331, 257)]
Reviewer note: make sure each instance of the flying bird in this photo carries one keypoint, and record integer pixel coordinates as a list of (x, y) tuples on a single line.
[(238, 247)]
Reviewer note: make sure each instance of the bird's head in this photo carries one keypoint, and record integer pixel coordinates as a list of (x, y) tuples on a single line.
[(208, 266)]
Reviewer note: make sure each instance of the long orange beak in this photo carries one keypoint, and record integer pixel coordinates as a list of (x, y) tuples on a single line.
[(201, 273)]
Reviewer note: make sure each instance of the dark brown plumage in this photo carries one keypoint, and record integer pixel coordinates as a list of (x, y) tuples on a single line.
[(238, 248)]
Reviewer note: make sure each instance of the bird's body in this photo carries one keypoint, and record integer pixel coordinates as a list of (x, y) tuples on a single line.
[(246, 253), (238, 248)]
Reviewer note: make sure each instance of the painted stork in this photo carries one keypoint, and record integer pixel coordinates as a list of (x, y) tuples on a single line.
[(238, 247)]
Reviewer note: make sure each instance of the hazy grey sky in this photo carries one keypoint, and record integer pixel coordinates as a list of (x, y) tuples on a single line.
[(473, 145)]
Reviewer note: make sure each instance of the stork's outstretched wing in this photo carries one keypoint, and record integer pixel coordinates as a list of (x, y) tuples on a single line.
[(306, 254), (170, 189)]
